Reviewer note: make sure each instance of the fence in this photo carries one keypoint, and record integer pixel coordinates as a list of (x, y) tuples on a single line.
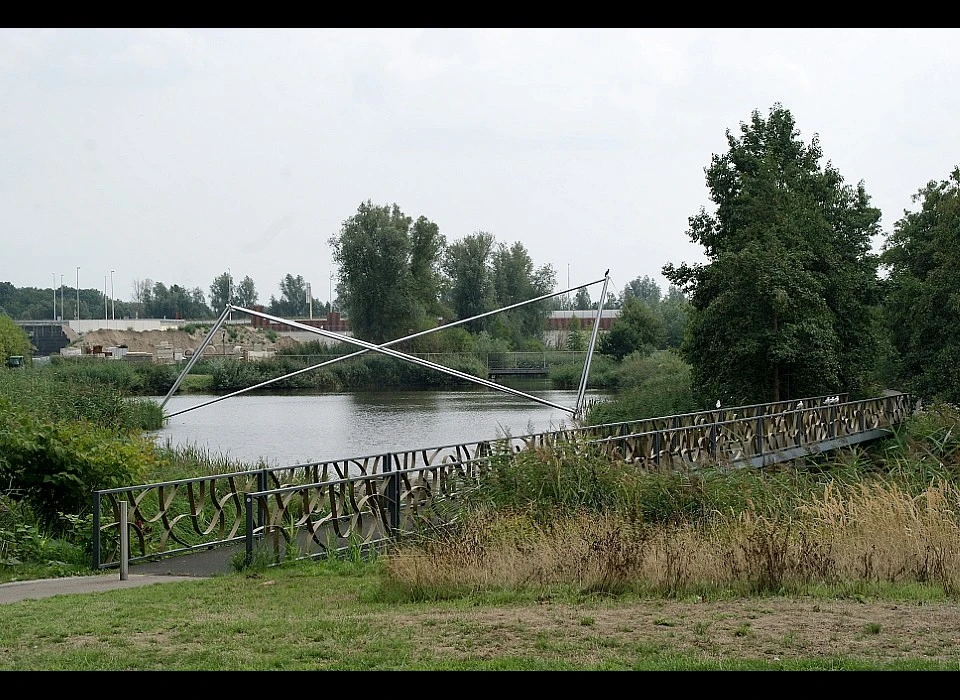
[(363, 500)]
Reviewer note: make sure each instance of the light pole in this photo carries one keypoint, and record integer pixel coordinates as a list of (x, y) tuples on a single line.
[(54, 296), (331, 291), (104, 297), (63, 311), (78, 297), (113, 308)]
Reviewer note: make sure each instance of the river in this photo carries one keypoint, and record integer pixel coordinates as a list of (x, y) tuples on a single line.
[(297, 428)]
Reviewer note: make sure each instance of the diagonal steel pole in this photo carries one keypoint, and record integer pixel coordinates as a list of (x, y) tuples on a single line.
[(387, 344), (197, 355), (578, 408)]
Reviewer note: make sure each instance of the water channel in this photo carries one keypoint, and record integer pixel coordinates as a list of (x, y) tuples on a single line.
[(285, 429)]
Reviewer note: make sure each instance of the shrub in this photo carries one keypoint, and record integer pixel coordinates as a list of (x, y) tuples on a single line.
[(55, 466)]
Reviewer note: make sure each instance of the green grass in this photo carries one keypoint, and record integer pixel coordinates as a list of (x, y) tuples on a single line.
[(331, 616)]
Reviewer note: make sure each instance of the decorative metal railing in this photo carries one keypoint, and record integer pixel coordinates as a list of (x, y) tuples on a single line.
[(318, 519), (361, 499)]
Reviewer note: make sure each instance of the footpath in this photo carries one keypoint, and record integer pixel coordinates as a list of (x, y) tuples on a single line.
[(187, 567)]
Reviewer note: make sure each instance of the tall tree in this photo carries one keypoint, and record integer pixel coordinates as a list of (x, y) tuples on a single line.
[(245, 294), (293, 297), (645, 289), (581, 302), (427, 246), (636, 329), (515, 279), (142, 293), (389, 281), (470, 288), (673, 310), (922, 305), (782, 307), (221, 292)]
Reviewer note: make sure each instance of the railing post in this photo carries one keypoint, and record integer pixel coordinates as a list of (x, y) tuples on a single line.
[(656, 448), (759, 435), (393, 494), (124, 542), (96, 531), (249, 534), (262, 480)]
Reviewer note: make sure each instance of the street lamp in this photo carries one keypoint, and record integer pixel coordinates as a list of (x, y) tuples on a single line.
[(63, 311), (113, 309), (78, 297), (54, 296)]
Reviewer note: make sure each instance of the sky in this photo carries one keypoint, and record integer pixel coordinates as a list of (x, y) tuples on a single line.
[(175, 155)]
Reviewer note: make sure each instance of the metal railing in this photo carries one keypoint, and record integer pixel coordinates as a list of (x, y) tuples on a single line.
[(173, 517)]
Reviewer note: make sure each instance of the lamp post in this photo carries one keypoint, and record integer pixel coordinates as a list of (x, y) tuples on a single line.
[(63, 311), (331, 291), (78, 297), (54, 296), (104, 297), (113, 308), (229, 295)]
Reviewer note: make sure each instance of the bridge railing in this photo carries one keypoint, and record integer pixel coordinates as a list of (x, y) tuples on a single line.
[(760, 439), (359, 512), (173, 517)]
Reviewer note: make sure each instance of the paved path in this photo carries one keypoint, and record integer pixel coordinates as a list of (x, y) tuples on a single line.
[(187, 567)]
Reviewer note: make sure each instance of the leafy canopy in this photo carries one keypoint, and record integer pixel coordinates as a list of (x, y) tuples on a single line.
[(782, 307)]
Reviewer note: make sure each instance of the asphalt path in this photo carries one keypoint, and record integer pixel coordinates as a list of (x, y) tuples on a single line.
[(187, 567)]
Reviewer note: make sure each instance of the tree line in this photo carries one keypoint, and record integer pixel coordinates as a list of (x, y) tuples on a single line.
[(791, 300)]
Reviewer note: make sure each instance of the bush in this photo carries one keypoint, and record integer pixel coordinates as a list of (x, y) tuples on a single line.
[(652, 385), (55, 466)]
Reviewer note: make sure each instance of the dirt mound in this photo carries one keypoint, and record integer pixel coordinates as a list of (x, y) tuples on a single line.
[(180, 340)]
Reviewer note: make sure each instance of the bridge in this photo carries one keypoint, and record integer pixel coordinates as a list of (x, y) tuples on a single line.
[(322, 508)]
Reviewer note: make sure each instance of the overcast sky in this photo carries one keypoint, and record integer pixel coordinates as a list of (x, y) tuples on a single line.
[(175, 155)]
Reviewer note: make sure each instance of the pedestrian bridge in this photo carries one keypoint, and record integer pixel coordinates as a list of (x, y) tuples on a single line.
[(320, 508)]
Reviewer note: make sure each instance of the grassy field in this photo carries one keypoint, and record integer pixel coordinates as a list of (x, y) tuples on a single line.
[(347, 616)]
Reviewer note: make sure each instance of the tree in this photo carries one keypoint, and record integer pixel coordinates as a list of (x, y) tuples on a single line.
[(515, 280), (470, 287), (636, 329), (221, 292), (581, 302), (293, 298), (142, 293), (645, 289), (13, 340), (245, 294), (389, 281), (922, 304), (576, 340), (782, 308), (427, 246), (673, 310)]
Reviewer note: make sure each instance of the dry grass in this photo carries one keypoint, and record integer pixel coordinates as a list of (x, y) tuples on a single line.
[(867, 533)]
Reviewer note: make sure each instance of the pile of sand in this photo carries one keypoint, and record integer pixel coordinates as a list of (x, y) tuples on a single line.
[(179, 340)]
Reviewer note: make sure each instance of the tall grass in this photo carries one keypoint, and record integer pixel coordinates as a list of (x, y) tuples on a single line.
[(563, 518)]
